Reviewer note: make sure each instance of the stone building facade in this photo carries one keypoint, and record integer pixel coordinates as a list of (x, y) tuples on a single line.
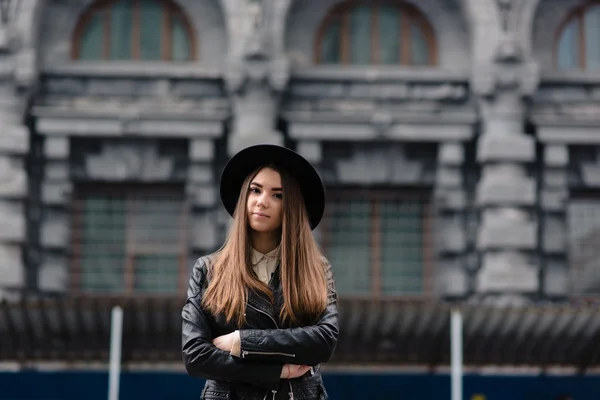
[(456, 139)]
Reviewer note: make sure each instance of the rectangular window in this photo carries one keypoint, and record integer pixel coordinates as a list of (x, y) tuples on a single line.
[(378, 242), (583, 219), (129, 240)]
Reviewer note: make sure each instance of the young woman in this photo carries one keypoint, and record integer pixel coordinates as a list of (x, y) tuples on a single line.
[(261, 313)]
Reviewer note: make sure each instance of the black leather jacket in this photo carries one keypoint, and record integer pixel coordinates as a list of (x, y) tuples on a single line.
[(266, 344)]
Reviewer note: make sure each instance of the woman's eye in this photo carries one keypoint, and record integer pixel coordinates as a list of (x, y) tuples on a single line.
[(279, 195), (254, 190)]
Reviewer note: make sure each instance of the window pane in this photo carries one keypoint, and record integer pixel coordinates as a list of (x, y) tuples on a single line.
[(180, 45), (330, 51), (389, 34), (90, 45), (120, 30), (568, 46), (103, 244), (151, 22), (592, 37), (156, 273), (419, 48), (360, 35), (349, 244), (401, 247), (584, 252)]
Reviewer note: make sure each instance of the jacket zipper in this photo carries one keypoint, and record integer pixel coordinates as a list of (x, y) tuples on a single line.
[(266, 353), (262, 312)]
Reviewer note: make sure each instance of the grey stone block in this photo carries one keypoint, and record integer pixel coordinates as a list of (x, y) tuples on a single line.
[(553, 200), (204, 235), (555, 178), (56, 193), (590, 174), (56, 171), (202, 196), (312, 151), (56, 148), (448, 199), (452, 236), (507, 236), (202, 150), (13, 178), (12, 222), (496, 190), (554, 238), (53, 274), (556, 155), (449, 177), (451, 154), (55, 230), (505, 148), (201, 174), (237, 143), (14, 139), (507, 272), (452, 279), (12, 270), (556, 280)]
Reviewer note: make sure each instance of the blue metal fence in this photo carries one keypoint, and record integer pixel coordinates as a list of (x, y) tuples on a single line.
[(348, 386)]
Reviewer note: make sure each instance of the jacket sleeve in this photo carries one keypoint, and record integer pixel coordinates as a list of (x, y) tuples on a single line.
[(310, 345), (202, 358)]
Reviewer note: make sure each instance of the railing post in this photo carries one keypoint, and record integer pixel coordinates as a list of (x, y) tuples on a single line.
[(456, 351), (114, 367)]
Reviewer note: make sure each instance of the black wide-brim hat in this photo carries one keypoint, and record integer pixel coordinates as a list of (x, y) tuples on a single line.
[(251, 158)]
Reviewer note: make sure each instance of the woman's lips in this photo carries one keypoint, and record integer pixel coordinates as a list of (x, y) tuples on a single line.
[(261, 215)]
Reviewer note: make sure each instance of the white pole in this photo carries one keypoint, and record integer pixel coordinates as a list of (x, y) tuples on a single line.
[(114, 366), (456, 352)]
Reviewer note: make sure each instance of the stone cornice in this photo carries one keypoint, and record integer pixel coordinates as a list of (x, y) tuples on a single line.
[(374, 74), (156, 70), (79, 123)]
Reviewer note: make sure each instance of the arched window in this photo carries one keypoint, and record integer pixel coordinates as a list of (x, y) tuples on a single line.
[(149, 30), (375, 32), (578, 37)]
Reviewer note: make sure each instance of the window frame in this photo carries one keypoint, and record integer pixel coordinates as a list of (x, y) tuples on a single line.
[(579, 14), (170, 9), (130, 191), (409, 13), (375, 195)]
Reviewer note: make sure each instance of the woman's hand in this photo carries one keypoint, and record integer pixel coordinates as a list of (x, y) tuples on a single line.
[(291, 371), (224, 342)]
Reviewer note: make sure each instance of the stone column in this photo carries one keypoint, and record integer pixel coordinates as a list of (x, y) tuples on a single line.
[(255, 77), (506, 194), (553, 202), (451, 235), (55, 232)]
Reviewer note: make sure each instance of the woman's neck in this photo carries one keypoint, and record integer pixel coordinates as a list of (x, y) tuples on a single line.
[(263, 242)]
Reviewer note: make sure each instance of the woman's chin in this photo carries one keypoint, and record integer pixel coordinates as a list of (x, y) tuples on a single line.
[(260, 228)]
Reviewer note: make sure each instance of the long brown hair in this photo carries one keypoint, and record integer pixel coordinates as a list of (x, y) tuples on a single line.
[(303, 280)]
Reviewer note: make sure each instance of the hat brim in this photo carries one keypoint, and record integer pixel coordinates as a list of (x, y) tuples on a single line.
[(249, 159)]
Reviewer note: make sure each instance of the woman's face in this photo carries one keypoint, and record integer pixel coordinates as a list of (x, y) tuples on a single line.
[(265, 204)]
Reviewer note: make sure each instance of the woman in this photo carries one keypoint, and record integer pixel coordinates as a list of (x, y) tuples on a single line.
[(261, 313)]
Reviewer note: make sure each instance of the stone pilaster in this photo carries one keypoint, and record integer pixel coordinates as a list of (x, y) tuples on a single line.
[(202, 190), (506, 194), (14, 145), (55, 231), (256, 75), (553, 201), (451, 234), (17, 75)]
